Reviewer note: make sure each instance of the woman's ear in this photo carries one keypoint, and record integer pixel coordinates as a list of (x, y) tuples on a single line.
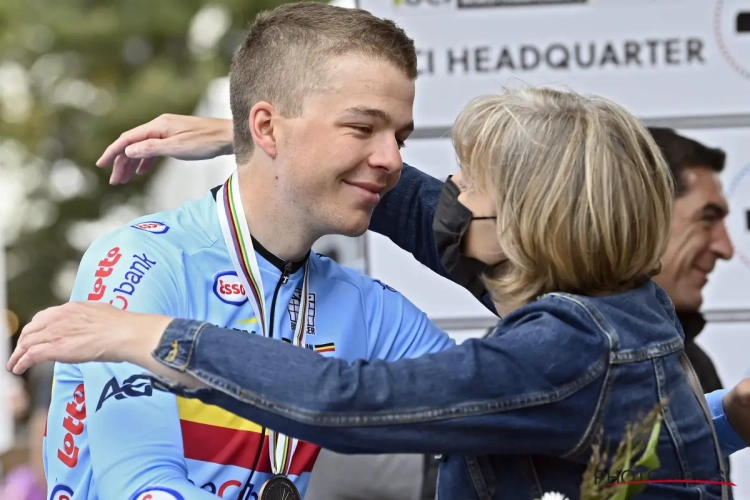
[(261, 123), (656, 271)]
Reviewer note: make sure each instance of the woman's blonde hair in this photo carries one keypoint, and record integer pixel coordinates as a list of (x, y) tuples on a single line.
[(584, 195)]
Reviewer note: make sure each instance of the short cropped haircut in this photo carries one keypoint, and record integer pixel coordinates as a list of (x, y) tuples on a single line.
[(285, 57), (682, 153), (584, 196)]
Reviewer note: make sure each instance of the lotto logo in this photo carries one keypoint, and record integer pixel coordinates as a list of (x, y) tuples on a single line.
[(152, 227), (229, 289), (73, 423), (106, 266), (61, 492), (158, 493)]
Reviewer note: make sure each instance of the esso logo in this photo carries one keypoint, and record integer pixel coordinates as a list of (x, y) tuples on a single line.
[(229, 288), (61, 492), (158, 493), (152, 227)]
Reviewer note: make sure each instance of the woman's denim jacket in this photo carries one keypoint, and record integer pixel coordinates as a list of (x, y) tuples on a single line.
[(513, 416)]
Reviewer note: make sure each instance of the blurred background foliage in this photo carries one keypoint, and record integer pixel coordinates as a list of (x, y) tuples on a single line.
[(74, 75)]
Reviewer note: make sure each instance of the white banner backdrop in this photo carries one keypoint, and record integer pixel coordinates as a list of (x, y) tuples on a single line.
[(671, 58)]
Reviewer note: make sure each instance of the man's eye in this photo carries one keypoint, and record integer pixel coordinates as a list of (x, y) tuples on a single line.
[(401, 144), (710, 220), (362, 129)]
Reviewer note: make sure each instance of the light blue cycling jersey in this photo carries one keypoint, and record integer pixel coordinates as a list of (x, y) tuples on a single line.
[(110, 435)]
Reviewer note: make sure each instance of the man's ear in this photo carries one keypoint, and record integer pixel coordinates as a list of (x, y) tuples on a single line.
[(261, 122)]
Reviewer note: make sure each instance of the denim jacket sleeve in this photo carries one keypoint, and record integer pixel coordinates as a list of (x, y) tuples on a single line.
[(405, 214), (509, 394), (405, 217)]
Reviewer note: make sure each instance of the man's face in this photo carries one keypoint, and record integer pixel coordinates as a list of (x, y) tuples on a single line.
[(343, 153), (698, 238)]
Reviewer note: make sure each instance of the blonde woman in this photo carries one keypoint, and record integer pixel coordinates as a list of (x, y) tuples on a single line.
[(569, 201)]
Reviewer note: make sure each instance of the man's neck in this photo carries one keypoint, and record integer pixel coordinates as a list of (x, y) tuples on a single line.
[(269, 217)]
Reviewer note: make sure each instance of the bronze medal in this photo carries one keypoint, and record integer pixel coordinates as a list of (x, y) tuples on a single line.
[(279, 488)]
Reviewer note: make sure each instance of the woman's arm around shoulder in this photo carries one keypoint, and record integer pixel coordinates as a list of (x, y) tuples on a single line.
[(531, 388)]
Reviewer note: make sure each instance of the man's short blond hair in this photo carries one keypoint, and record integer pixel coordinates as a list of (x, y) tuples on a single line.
[(584, 196), (285, 57)]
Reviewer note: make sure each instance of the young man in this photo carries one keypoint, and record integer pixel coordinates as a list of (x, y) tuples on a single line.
[(317, 136)]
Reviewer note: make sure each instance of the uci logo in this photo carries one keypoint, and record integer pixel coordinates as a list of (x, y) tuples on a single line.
[(61, 492), (732, 33), (229, 288), (743, 22), (152, 227)]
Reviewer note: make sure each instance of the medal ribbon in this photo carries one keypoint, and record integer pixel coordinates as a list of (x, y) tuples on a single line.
[(240, 247)]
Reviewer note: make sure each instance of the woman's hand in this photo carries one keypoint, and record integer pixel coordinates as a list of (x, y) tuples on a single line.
[(78, 332), (176, 136)]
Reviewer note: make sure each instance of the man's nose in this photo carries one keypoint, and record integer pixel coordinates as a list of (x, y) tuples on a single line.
[(388, 157), (722, 243)]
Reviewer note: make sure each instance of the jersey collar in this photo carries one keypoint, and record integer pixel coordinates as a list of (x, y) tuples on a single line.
[(277, 262)]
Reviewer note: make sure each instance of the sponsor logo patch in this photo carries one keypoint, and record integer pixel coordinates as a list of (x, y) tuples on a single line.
[(61, 492), (222, 490), (293, 310), (152, 227), (132, 387), (134, 274), (106, 267), (329, 347), (158, 493), (137, 270), (385, 287), (229, 289), (73, 425)]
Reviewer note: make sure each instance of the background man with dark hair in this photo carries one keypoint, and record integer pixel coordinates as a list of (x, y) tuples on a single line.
[(699, 237)]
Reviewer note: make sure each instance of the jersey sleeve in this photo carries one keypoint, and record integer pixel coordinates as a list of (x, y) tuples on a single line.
[(134, 434), (397, 329), (729, 441)]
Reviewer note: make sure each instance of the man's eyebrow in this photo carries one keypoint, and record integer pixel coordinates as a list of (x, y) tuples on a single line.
[(715, 210), (364, 111)]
